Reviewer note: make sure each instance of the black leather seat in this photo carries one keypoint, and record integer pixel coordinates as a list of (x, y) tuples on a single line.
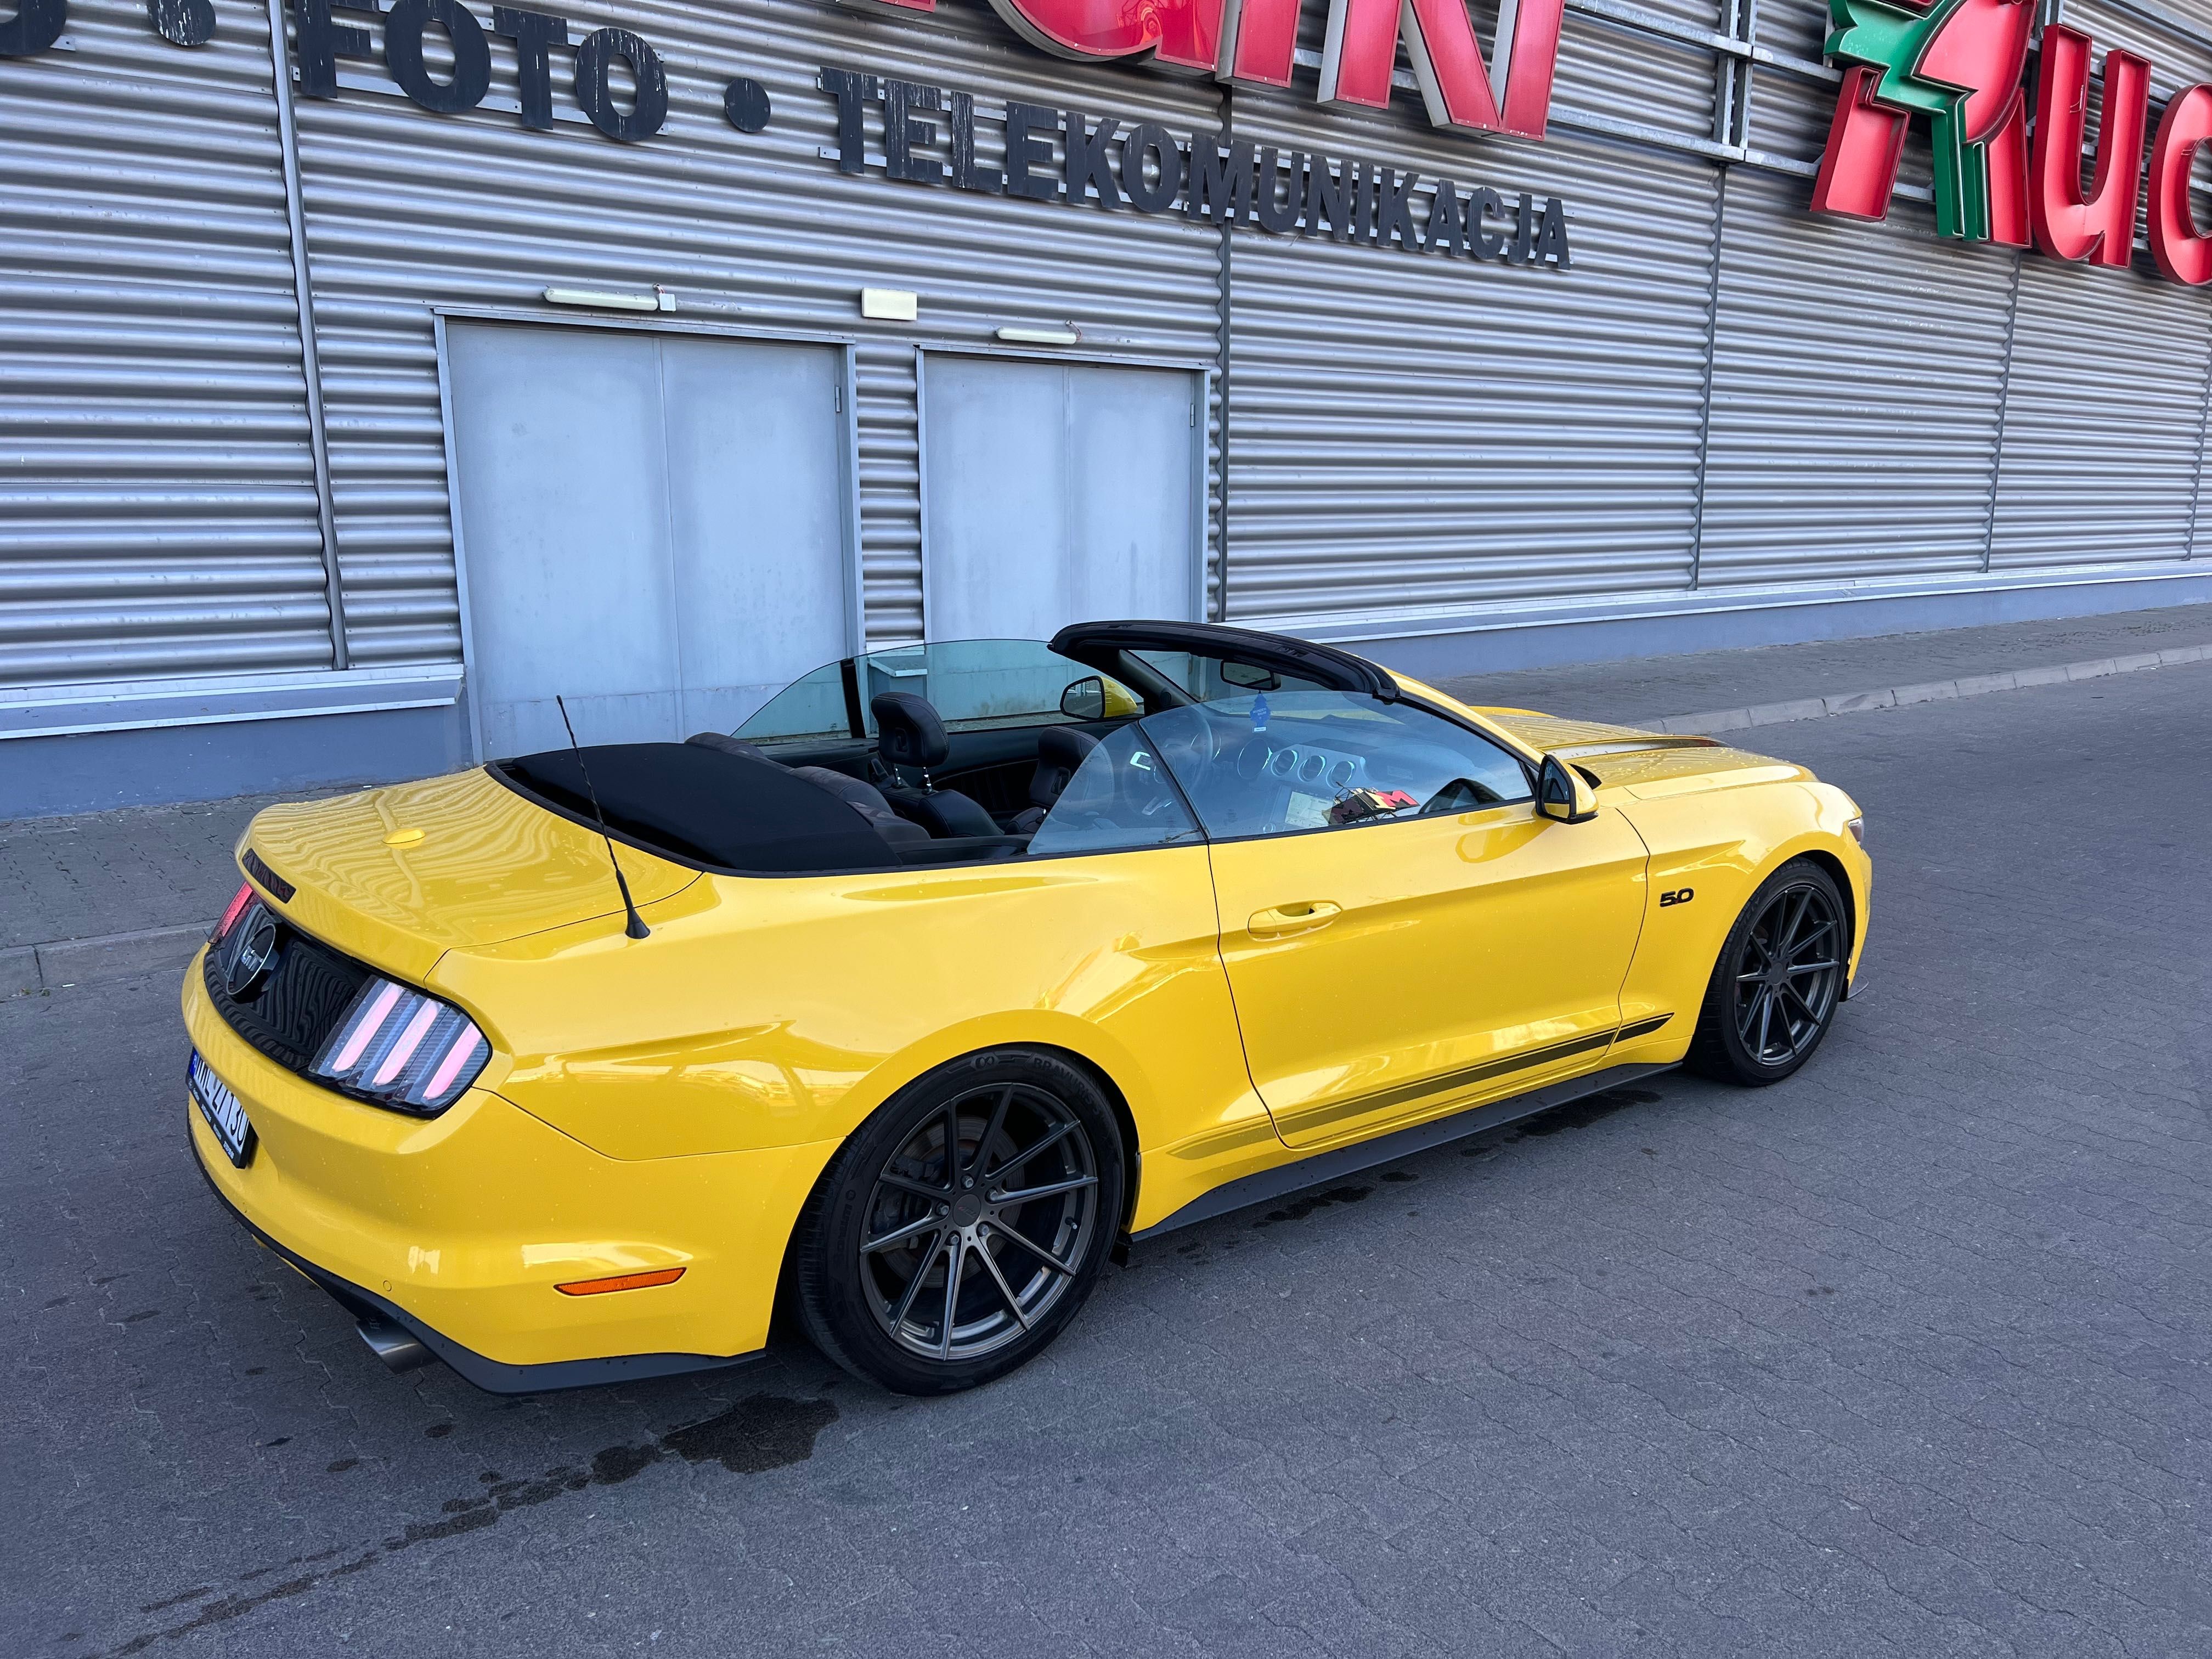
[(862, 797), (868, 801), (1060, 751), (912, 740)]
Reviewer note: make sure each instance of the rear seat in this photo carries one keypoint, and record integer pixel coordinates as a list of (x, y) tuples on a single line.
[(863, 798)]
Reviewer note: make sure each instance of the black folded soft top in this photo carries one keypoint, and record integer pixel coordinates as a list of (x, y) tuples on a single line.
[(701, 805)]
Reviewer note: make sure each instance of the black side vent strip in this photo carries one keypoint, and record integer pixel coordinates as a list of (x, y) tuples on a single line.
[(1451, 1082)]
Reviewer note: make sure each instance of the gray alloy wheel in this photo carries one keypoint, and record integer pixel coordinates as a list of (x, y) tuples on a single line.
[(977, 1222), (964, 1224), (1780, 976)]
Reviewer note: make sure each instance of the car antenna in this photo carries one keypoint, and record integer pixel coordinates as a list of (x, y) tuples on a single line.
[(636, 929)]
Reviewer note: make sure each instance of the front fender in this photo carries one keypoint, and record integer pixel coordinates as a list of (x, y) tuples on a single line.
[(1716, 845)]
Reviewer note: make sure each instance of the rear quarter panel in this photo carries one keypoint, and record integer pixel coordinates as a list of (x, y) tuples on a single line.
[(766, 1013), (469, 1219)]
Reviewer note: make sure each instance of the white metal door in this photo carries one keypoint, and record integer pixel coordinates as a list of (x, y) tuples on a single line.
[(1055, 493), (652, 526)]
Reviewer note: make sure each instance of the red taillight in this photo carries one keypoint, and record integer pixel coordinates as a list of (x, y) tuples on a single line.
[(238, 903), (401, 1049)]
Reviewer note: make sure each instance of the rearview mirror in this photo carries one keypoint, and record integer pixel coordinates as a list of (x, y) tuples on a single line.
[(1562, 792), (1097, 698), (1250, 677)]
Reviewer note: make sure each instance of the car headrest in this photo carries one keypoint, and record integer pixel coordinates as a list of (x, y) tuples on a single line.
[(908, 732), (1060, 751)]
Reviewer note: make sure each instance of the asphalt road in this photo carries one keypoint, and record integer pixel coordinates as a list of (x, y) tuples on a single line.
[(1910, 1355)]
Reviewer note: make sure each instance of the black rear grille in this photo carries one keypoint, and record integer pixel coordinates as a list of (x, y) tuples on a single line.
[(291, 1013)]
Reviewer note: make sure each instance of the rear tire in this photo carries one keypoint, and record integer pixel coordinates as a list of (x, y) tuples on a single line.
[(929, 1273), (1781, 974)]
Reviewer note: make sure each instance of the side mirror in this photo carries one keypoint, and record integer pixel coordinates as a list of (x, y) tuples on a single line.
[(1097, 698), (1565, 793)]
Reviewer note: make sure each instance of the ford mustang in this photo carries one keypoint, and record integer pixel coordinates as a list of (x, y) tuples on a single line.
[(957, 969)]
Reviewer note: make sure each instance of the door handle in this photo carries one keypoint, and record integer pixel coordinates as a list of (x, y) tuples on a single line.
[(1300, 916)]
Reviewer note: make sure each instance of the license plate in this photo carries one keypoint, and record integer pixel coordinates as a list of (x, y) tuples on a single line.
[(222, 1111)]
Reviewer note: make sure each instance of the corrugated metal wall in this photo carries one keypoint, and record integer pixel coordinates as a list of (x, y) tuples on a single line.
[(2104, 410), (408, 210), (1429, 431), (157, 494), (1411, 432), (1723, 391), (1856, 377)]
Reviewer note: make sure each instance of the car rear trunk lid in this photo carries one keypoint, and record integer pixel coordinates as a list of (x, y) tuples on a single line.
[(399, 876)]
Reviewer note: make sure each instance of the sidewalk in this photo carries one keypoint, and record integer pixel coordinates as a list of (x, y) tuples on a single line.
[(1643, 691), (107, 895)]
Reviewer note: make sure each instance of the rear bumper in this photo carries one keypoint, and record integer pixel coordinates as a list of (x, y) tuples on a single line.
[(454, 1231), (390, 1331)]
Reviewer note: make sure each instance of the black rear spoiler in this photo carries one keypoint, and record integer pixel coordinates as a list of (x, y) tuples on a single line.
[(1095, 644)]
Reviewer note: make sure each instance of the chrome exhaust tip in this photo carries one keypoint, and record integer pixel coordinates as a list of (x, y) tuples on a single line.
[(399, 1348)]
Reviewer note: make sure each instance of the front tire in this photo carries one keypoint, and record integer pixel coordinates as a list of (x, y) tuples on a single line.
[(1781, 974), (961, 1228)]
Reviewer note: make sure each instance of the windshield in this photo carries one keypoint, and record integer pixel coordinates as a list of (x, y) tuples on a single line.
[(1273, 762), (973, 684)]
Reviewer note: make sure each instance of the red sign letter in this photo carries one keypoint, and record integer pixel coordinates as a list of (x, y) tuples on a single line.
[(1257, 40), (1858, 169), (1460, 91), (2181, 251), (2100, 228), (1187, 33)]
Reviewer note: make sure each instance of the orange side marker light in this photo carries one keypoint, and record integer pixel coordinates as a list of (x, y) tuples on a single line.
[(620, 1282)]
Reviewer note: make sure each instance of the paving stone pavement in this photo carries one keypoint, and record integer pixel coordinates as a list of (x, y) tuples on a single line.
[(1910, 1355), (139, 868)]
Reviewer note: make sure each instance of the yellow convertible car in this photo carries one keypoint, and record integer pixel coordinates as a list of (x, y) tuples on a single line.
[(957, 969)]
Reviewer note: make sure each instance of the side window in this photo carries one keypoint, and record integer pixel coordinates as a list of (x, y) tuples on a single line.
[(1273, 762), (1120, 797)]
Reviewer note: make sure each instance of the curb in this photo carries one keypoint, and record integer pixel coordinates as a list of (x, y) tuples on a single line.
[(1900, 697), (61, 964)]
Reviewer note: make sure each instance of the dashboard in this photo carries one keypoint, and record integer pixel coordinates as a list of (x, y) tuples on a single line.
[(1308, 779)]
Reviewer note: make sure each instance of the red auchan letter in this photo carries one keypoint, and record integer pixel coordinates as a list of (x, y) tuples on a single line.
[(1858, 169), (1512, 95), (2182, 252), (1186, 33), (2008, 164), (2102, 227), (1257, 40)]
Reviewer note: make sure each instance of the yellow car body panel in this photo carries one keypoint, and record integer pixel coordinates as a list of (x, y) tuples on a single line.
[(469, 1219), (474, 862), (1716, 844), (1412, 982), (672, 1100), (871, 980)]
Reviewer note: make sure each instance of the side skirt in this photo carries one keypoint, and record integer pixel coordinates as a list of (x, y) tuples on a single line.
[(1271, 1184)]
